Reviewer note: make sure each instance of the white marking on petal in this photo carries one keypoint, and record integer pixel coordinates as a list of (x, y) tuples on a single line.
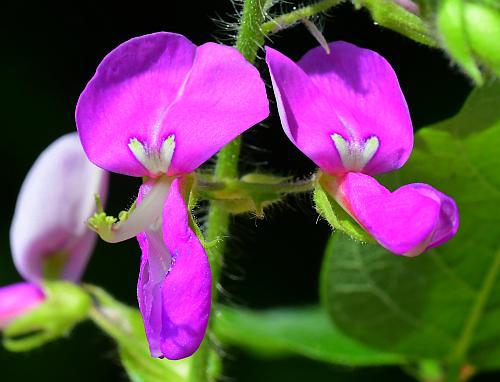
[(157, 162), (353, 154), (344, 149), (369, 149)]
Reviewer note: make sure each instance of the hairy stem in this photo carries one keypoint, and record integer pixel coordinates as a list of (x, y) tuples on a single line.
[(286, 187), (249, 40), (286, 20)]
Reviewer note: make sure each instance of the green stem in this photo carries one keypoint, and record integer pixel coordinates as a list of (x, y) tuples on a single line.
[(284, 21), (205, 186), (458, 356), (249, 40), (250, 37)]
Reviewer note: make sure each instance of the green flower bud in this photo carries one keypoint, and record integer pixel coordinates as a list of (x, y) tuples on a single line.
[(65, 306), (452, 28), (483, 30), (470, 32)]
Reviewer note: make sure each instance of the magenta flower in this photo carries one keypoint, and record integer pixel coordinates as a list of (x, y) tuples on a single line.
[(347, 113), (49, 236), (158, 107)]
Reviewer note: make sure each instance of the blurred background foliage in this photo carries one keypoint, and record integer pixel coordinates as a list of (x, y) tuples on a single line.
[(50, 52)]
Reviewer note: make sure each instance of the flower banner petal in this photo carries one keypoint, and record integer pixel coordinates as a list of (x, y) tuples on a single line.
[(345, 110), (162, 86), (364, 91), (223, 96), (307, 118), (130, 92)]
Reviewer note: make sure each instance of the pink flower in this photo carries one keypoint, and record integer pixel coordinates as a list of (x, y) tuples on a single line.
[(49, 235), (49, 223), (158, 107), (347, 113)]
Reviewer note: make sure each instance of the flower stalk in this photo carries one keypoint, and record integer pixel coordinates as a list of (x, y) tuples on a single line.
[(289, 19)]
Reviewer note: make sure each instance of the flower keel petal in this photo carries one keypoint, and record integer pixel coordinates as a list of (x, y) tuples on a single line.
[(448, 222), (404, 221)]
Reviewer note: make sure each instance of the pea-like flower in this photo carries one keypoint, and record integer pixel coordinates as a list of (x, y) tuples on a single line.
[(158, 107), (347, 113), (49, 236)]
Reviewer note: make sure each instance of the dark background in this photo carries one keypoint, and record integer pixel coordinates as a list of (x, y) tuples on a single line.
[(48, 54)]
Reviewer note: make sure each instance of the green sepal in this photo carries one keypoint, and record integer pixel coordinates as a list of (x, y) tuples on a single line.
[(65, 306), (251, 193), (335, 215)]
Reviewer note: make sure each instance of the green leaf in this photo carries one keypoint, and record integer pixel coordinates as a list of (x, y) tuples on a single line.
[(444, 304), (300, 331), (329, 209), (65, 306)]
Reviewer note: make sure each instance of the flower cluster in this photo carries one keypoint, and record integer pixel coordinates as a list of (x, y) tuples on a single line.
[(158, 107), (346, 111)]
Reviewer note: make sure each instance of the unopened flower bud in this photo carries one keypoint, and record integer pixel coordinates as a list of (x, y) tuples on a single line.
[(49, 236)]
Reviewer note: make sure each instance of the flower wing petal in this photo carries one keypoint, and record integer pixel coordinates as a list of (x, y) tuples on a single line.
[(174, 288), (306, 115)]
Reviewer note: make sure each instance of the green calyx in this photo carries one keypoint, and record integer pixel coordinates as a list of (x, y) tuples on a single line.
[(65, 306), (251, 193), (334, 214)]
